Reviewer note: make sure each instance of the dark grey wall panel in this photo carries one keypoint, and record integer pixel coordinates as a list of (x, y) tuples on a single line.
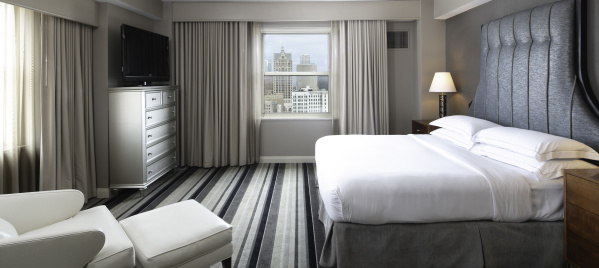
[(555, 96), (539, 68), (492, 71), (463, 49), (560, 60), (506, 64), (479, 107), (520, 72)]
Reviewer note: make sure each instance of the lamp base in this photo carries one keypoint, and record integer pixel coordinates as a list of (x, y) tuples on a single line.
[(442, 105)]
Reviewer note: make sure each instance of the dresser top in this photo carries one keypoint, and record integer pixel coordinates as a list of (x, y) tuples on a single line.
[(144, 88)]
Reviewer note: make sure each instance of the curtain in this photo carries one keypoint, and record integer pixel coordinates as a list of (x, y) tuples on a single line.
[(19, 56), (67, 142), (218, 121), (360, 77)]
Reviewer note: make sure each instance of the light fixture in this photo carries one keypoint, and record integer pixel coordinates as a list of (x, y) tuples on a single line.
[(443, 83)]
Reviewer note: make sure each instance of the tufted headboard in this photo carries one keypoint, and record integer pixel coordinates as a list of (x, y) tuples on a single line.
[(533, 73)]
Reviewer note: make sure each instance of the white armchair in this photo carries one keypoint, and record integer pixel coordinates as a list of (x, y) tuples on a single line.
[(47, 229)]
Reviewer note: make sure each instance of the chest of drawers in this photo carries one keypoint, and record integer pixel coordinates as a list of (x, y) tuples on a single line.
[(142, 134), (581, 217)]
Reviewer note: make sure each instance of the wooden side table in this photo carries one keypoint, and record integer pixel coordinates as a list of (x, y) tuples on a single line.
[(581, 217), (422, 126)]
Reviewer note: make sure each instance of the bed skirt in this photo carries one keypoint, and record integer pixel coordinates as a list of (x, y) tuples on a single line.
[(451, 244)]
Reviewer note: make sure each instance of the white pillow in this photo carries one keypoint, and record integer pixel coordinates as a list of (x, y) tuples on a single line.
[(454, 137), (7, 230), (463, 124), (538, 145), (545, 170)]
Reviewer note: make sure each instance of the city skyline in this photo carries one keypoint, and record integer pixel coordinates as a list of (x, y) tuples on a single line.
[(297, 45)]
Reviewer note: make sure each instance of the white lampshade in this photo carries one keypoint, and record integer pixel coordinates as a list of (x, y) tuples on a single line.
[(442, 82)]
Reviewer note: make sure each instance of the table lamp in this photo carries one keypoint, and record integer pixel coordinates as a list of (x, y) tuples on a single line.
[(442, 83)]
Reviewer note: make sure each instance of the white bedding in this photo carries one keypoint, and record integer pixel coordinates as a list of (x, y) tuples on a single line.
[(423, 178)]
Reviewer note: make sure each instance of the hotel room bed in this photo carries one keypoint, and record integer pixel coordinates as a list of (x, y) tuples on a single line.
[(450, 207), (424, 178)]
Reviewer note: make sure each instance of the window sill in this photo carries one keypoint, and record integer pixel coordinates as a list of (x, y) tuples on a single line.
[(296, 116)]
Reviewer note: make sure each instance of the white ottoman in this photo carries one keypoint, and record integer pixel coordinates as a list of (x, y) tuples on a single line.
[(185, 234)]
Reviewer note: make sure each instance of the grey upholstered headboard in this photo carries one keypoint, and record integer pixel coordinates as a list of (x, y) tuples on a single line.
[(533, 73)]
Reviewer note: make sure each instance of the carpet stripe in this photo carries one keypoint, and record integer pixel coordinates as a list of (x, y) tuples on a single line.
[(243, 220), (179, 193), (215, 199), (272, 208), (163, 192), (205, 184), (264, 218), (247, 246), (309, 211), (273, 249), (300, 210), (237, 189), (198, 180)]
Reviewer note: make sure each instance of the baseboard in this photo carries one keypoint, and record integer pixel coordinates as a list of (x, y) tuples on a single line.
[(103, 192), (286, 159)]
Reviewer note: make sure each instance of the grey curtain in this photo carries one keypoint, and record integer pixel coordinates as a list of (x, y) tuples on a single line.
[(217, 116), (67, 142), (360, 77)]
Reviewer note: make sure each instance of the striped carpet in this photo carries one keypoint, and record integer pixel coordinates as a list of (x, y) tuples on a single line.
[(273, 209)]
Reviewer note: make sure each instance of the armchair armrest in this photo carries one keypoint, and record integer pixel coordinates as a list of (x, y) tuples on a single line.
[(30, 211), (74, 248)]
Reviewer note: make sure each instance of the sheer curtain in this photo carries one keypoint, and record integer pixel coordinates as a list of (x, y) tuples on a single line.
[(46, 119), (360, 77), (218, 121), (19, 56), (67, 142)]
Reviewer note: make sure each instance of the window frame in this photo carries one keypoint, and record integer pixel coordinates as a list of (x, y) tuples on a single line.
[(296, 29)]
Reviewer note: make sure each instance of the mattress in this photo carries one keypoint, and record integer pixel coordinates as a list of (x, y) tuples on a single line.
[(422, 178)]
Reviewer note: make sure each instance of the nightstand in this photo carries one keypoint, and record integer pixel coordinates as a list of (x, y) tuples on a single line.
[(422, 126), (581, 217)]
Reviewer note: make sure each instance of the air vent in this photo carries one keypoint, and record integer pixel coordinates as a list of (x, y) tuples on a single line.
[(397, 39)]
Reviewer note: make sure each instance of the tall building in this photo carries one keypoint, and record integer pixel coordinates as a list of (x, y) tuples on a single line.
[(306, 66), (305, 59), (307, 100), (282, 62)]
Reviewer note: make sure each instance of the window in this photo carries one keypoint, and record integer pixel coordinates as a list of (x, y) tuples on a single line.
[(296, 71)]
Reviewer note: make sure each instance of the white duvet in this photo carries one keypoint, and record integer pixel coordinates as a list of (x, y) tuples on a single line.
[(416, 178)]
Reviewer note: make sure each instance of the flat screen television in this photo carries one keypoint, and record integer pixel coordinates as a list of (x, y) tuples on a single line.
[(145, 56)]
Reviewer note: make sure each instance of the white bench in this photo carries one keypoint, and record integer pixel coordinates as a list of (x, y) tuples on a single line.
[(184, 234)]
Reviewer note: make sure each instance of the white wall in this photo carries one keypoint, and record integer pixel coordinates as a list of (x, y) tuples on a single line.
[(284, 138), (151, 9), (445, 9), (296, 11), (83, 11), (402, 80), (430, 59)]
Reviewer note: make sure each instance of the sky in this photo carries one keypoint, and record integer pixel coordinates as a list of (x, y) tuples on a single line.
[(299, 44)]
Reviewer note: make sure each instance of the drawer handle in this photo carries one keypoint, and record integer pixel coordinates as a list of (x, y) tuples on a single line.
[(153, 99), (150, 172), (149, 117), (149, 154), (418, 130), (169, 97), (149, 136)]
